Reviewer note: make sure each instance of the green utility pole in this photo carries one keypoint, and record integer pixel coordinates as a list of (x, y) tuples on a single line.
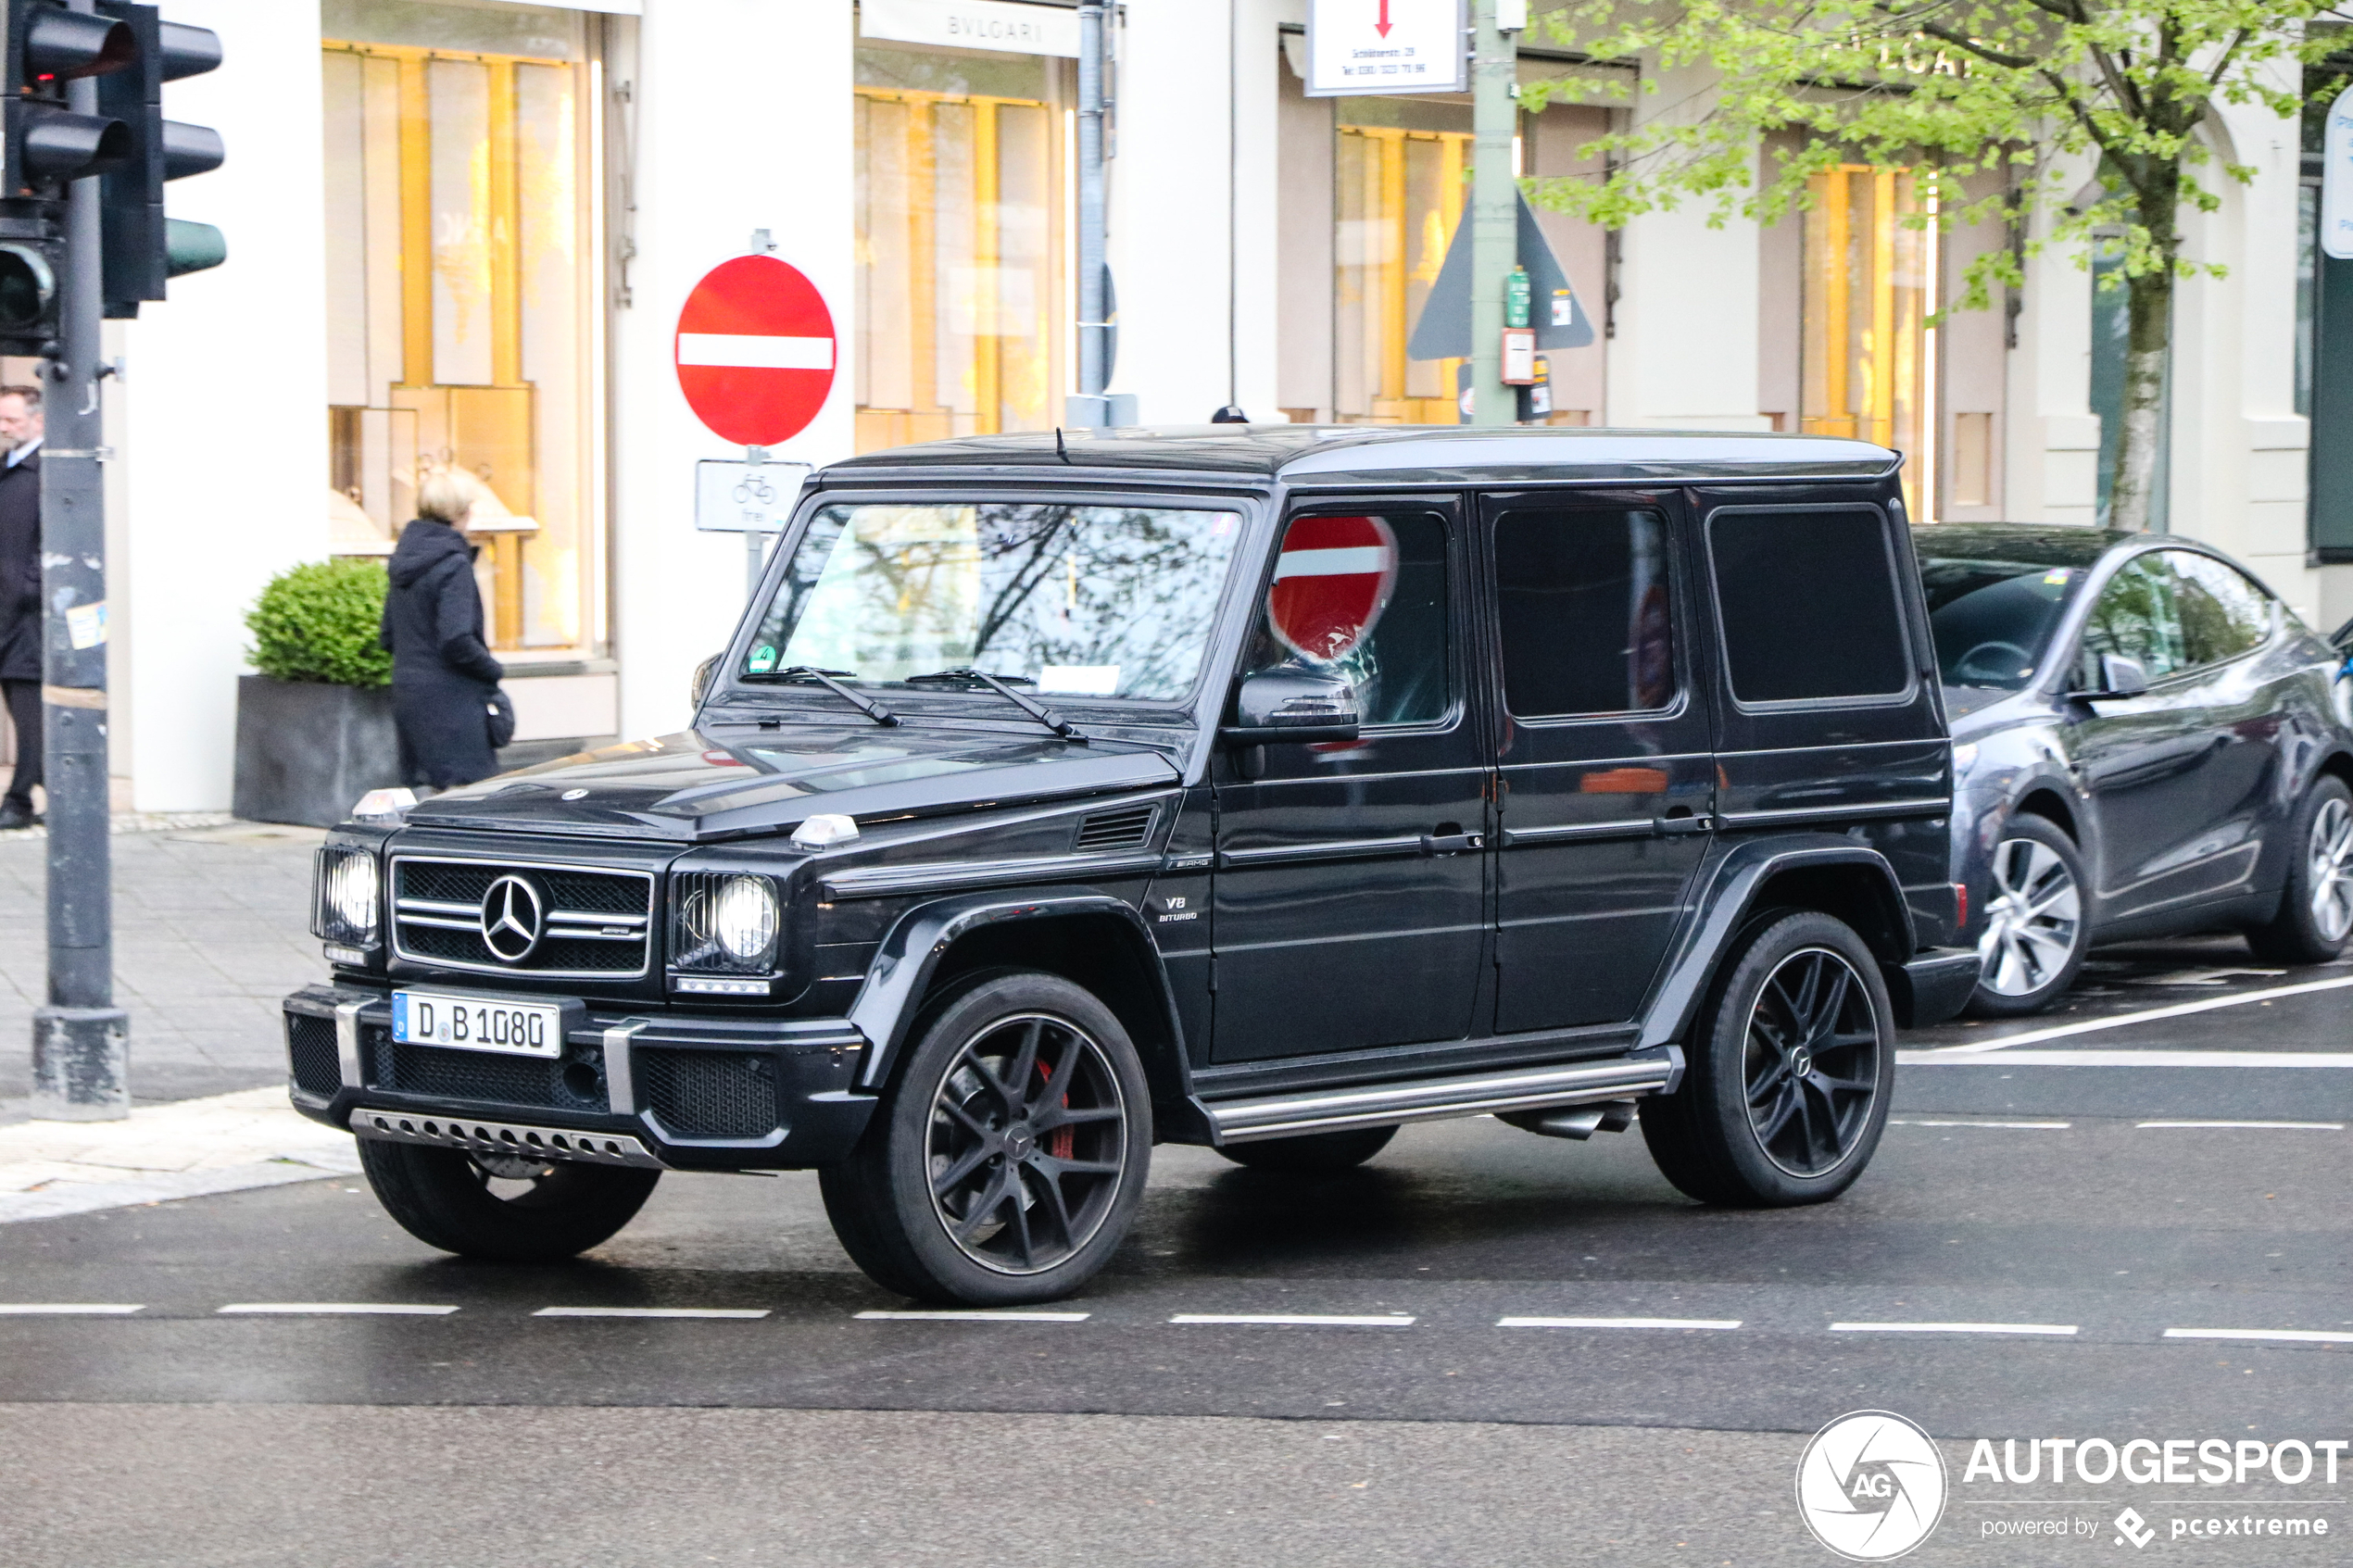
[(1494, 204)]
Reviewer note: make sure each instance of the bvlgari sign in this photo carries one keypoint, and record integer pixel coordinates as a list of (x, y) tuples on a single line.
[(973, 24)]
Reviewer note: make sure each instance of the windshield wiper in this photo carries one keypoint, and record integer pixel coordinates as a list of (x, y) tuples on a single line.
[(1002, 686), (804, 674)]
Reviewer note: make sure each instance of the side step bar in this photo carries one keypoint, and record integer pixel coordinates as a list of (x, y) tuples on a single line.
[(1429, 1099)]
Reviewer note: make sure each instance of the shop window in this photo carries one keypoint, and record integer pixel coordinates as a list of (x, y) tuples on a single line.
[(462, 296), (963, 201), (1400, 198), (1868, 354)]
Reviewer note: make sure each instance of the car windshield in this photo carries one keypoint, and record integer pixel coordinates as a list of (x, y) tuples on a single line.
[(1992, 619), (1104, 601)]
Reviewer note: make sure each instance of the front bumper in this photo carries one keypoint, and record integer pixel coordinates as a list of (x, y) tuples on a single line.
[(664, 1087)]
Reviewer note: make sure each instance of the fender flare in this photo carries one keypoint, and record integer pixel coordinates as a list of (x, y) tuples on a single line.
[(1725, 902), (910, 953)]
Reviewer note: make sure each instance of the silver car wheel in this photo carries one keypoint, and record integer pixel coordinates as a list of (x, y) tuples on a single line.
[(2036, 918), (2331, 855)]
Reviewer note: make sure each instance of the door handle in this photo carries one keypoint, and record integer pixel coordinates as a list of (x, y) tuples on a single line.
[(1452, 843), (1670, 827)]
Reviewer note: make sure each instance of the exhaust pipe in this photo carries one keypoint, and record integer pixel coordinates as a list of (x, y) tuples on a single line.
[(1578, 1122)]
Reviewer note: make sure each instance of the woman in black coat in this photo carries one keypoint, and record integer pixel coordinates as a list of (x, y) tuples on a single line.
[(444, 680)]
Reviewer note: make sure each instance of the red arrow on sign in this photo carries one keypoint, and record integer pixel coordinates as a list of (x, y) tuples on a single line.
[(755, 351), (1381, 26), (1331, 584)]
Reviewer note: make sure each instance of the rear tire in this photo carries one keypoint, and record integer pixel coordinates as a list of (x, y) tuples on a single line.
[(2316, 910), (1312, 1153), (1786, 1088), (1006, 1162), (480, 1207)]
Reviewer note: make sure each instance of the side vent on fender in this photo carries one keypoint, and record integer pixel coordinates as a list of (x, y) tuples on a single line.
[(1127, 828)]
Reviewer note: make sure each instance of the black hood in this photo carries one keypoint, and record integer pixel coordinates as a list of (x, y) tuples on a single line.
[(701, 784), (423, 546)]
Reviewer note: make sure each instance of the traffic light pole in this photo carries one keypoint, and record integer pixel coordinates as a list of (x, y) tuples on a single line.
[(80, 1040), (1494, 210)]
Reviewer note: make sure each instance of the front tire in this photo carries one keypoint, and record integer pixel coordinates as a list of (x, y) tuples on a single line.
[(1786, 1089), (2316, 910), (502, 1208), (2036, 933), (1312, 1153), (1007, 1162)]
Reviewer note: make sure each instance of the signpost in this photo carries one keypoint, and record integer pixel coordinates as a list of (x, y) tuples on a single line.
[(756, 354), (1357, 47)]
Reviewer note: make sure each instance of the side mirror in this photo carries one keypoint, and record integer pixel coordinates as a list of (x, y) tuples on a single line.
[(700, 687), (1292, 705), (2121, 676)]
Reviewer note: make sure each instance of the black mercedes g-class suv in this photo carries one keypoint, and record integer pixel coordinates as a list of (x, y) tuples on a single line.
[(1261, 788)]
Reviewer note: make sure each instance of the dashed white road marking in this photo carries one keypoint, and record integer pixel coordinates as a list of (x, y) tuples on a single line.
[(2036, 1126), (67, 1309), (1297, 1320), (1617, 1322), (1943, 1058), (332, 1309), (976, 1316), (2286, 1335), (2125, 1020), (2059, 1328), (2292, 1127), (651, 1313)]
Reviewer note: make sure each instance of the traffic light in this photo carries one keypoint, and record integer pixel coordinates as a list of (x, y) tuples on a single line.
[(142, 247), (49, 146)]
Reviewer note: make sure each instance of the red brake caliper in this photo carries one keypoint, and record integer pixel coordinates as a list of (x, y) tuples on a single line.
[(1061, 1139)]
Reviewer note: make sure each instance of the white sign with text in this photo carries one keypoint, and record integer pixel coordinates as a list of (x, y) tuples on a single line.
[(734, 497), (2336, 179), (974, 24), (1363, 47)]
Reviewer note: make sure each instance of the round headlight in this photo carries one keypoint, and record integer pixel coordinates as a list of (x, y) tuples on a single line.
[(352, 892), (743, 917)]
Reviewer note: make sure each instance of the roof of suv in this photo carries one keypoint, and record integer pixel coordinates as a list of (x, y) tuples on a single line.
[(1320, 455)]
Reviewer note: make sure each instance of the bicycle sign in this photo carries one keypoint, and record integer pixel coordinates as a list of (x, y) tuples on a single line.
[(737, 497)]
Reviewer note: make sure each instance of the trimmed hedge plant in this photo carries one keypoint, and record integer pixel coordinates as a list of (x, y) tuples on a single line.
[(319, 622)]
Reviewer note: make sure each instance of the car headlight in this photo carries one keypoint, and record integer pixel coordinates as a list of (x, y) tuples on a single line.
[(350, 896), (724, 921)]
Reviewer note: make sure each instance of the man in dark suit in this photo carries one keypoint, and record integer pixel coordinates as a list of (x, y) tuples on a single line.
[(20, 594)]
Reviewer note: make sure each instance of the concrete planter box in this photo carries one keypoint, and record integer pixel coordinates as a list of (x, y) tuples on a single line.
[(307, 751)]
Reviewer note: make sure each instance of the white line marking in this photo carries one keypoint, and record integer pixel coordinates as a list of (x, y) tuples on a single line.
[(975, 1317), (2300, 1126), (1302, 1320), (2180, 1010), (651, 1313), (2130, 1058), (67, 1309), (334, 1310), (1911, 1122), (1617, 1322), (1953, 1328), (745, 351), (2290, 1336)]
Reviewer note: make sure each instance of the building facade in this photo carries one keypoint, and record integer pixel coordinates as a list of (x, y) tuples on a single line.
[(469, 246)]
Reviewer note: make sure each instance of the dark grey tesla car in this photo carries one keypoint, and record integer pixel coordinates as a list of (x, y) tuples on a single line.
[(2146, 742)]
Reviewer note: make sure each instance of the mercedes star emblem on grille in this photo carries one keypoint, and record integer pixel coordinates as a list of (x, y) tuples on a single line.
[(510, 919)]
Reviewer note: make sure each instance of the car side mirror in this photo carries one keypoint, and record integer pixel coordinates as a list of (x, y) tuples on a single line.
[(2119, 676), (1292, 705), (700, 687)]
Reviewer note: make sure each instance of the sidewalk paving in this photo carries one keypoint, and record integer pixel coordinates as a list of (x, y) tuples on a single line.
[(226, 1143)]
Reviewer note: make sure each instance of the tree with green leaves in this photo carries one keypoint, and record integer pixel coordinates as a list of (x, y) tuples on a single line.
[(2034, 90)]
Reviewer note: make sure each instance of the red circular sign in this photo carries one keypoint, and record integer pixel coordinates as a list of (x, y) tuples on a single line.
[(755, 351), (1331, 584)]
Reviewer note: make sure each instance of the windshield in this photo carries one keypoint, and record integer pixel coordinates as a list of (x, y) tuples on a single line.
[(1091, 601), (1992, 619)]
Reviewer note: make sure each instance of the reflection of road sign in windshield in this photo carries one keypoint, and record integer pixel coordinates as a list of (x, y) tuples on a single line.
[(1331, 584)]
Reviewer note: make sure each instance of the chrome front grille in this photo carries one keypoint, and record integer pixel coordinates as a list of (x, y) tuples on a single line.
[(593, 923)]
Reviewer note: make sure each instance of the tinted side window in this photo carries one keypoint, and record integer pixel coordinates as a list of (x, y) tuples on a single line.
[(2223, 615), (1364, 596), (1808, 604), (1584, 611), (2134, 617)]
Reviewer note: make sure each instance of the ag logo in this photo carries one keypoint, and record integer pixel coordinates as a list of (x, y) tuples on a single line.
[(1870, 1486)]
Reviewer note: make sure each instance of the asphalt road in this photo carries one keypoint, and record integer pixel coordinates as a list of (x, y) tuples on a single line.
[(2029, 1257)]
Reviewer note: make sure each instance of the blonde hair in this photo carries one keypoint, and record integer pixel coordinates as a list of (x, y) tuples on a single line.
[(447, 496)]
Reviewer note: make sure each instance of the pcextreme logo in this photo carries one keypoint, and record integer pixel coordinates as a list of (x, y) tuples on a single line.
[(1870, 1486)]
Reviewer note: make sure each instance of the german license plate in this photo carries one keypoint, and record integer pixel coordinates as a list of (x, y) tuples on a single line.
[(477, 1023)]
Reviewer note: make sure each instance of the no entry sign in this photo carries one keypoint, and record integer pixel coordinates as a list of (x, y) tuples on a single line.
[(755, 351), (1331, 584)]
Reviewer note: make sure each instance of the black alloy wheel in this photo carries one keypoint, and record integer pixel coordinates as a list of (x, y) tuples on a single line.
[(1006, 1162), (1788, 1073), (508, 1208)]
